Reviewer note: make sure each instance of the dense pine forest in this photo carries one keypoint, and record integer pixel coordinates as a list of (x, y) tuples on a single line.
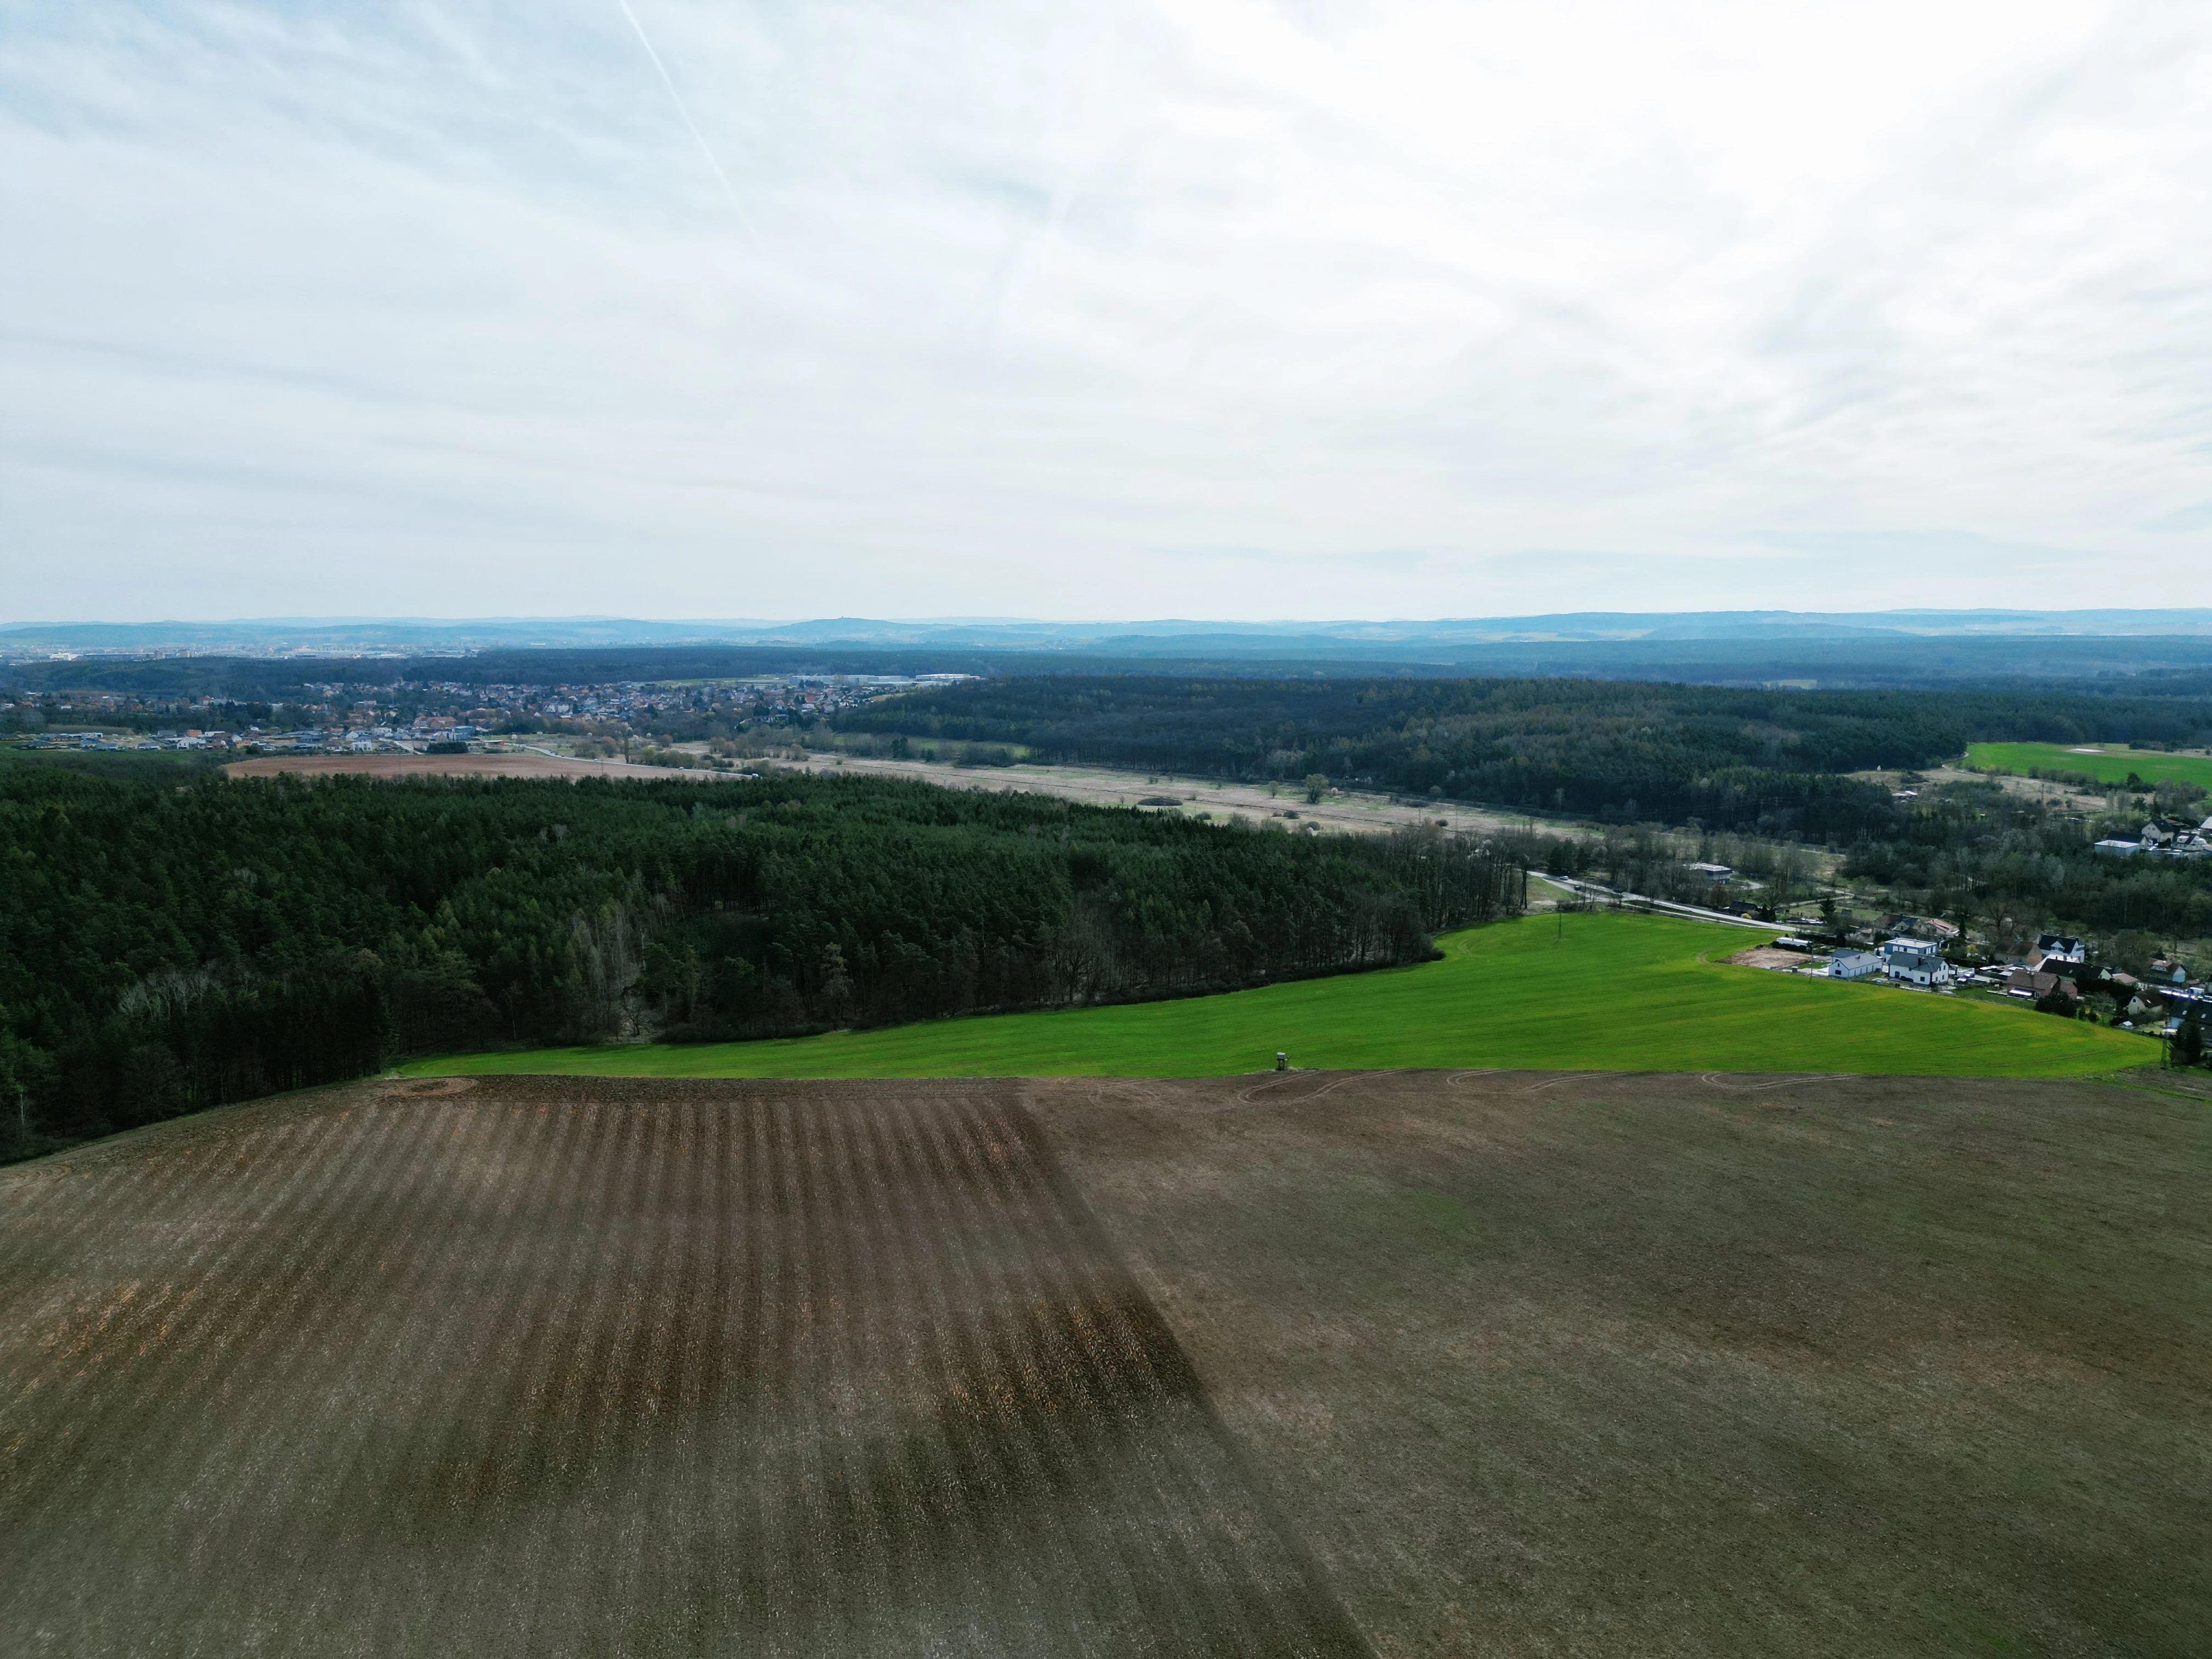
[(166, 946), (1732, 759), (1771, 763)]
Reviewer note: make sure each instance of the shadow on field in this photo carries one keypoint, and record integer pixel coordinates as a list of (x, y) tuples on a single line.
[(559, 1366)]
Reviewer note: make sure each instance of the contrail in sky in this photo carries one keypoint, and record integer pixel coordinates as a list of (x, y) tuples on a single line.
[(676, 98)]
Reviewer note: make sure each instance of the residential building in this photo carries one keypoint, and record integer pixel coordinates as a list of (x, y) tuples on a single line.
[(1854, 964), (1916, 962), (2060, 948), (1933, 927), (2028, 983)]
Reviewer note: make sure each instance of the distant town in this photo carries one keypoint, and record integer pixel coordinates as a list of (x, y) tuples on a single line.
[(340, 718)]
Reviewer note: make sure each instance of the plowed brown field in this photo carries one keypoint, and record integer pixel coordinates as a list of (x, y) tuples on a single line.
[(1550, 1364), (532, 1366)]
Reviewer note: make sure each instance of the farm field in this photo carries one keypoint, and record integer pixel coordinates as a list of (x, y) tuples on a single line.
[(2109, 763), (1808, 1368), (1476, 1362), (1592, 991), (566, 1368)]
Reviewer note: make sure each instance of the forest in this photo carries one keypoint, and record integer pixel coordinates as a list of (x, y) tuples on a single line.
[(170, 946), (1602, 749), (2003, 866), (1734, 759), (1737, 760), (1707, 760)]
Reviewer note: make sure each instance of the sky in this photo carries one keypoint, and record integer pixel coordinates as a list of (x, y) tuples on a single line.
[(1215, 309)]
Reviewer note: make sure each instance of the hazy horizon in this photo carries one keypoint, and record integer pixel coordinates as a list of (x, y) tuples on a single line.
[(1902, 622), (1326, 310)]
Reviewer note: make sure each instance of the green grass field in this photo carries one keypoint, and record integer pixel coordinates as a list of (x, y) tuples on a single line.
[(2111, 764), (1595, 992)]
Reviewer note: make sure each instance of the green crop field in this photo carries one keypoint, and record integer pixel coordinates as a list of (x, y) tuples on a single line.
[(2107, 762), (1591, 992)]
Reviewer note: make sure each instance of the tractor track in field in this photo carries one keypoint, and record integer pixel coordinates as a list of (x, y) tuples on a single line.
[(552, 1366)]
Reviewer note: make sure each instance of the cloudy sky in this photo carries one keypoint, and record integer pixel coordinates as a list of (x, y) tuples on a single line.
[(1218, 308)]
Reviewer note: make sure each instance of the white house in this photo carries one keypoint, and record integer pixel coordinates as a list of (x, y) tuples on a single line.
[(1854, 964), (1916, 962), (2059, 947)]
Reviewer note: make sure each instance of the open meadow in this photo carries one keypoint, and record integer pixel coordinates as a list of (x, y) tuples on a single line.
[(1493, 1363), (2107, 762), (1591, 991)]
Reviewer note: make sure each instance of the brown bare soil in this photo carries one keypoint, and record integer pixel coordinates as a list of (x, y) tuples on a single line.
[(1514, 1362), (1546, 1363), (545, 1366), (1767, 956), (455, 766)]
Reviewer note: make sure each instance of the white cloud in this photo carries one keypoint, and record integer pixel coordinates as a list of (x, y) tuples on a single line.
[(1212, 309)]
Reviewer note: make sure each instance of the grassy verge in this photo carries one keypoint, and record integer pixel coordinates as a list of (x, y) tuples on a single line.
[(1597, 992), (2112, 764)]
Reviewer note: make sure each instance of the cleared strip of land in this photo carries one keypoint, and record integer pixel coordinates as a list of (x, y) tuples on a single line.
[(1343, 812), (1593, 991), (1348, 811), (527, 1368)]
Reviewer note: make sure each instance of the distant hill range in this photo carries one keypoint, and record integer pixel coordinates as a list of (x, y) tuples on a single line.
[(327, 634), (1882, 648)]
